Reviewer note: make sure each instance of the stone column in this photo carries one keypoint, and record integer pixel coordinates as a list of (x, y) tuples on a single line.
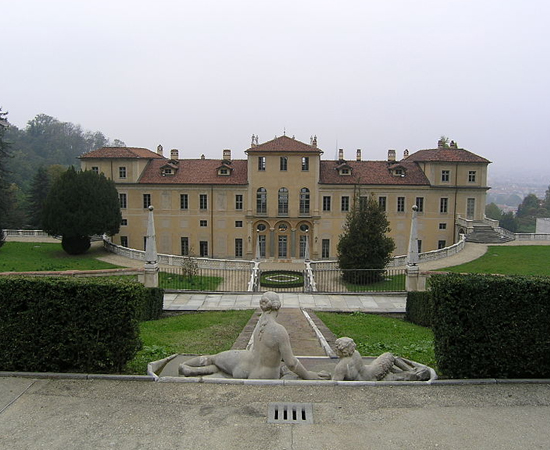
[(151, 257), (293, 242), (412, 269), (271, 243)]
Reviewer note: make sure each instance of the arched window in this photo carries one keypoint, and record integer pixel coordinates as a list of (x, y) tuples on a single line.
[(304, 201), (261, 201), (283, 201)]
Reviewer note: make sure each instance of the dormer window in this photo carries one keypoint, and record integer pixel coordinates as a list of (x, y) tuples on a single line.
[(345, 171), (398, 171), (223, 171), (167, 171)]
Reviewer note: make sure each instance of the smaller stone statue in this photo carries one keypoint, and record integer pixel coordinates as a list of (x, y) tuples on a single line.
[(386, 367)]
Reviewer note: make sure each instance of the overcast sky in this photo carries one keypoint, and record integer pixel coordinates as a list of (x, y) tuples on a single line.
[(204, 75)]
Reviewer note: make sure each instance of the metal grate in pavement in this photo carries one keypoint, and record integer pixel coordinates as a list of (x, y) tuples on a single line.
[(290, 413)]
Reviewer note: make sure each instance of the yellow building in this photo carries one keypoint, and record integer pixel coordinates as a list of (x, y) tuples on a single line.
[(284, 198)]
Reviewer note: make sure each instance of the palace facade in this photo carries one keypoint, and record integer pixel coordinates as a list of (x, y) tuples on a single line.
[(284, 201)]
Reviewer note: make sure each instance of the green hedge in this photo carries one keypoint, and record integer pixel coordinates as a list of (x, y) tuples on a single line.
[(69, 325), (152, 305), (419, 309), (492, 326), (264, 282)]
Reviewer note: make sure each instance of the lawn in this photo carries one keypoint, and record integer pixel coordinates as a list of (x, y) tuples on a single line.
[(170, 280), (35, 256), (201, 333), (375, 335), (509, 260)]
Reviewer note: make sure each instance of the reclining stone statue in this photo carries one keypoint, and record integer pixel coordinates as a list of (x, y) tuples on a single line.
[(386, 367), (263, 361)]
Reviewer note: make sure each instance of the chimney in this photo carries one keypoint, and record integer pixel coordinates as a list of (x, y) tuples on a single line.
[(441, 143), (406, 153), (453, 144), (159, 150), (391, 155), (341, 154), (314, 142), (227, 154), (174, 154), (202, 156), (358, 157)]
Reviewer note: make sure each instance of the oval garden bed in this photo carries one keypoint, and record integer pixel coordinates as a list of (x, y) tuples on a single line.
[(281, 279)]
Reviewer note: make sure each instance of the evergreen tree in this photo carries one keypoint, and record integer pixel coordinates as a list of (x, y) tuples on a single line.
[(5, 195), (492, 211), (364, 243), (40, 187), (80, 205)]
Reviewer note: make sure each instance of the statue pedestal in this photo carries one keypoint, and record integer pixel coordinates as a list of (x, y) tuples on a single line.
[(151, 276)]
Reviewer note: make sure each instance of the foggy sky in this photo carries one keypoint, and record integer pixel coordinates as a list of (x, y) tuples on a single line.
[(202, 76)]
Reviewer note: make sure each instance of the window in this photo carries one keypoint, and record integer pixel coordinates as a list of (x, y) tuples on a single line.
[(124, 222), (345, 203), (419, 246), (443, 205), (441, 244), (382, 203), (185, 246), (261, 162), (399, 172), (95, 169), (203, 201), (203, 223), (122, 172), (344, 171), (167, 171), (445, 176), (304, 201), (305, 163), (144, 243), (303, 245), (123, 201), (420, 204), (326, 203), (325, 248), (238, 248), (261, 201), (442, 226), (400, 204), (146, 200), (283, 164), (472, 176), (203, 248), (238, 223), (261, 244), (283, 201), (282, 246), (239, 201), (124, 241), (224, 171), (184, 201), (470, 208)]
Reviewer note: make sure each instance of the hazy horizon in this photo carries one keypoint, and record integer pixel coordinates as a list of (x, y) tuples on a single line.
[(205, 76)]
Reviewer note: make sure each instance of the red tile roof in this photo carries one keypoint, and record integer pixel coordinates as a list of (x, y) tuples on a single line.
[(284, 144), (372, 173), (121, 152), (196, 171), (446, 155)]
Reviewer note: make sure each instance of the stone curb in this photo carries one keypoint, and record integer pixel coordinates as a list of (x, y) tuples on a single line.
[(147, 378)]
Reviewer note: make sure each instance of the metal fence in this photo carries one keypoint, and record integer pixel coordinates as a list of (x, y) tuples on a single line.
[(327, 280), (359, 280), (205, 279)]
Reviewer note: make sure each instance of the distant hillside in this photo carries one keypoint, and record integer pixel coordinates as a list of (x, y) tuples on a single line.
[(47, 141)]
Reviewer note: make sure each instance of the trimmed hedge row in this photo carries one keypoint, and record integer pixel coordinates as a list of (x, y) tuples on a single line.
[(419, 309), (71, 325), (492, 326)]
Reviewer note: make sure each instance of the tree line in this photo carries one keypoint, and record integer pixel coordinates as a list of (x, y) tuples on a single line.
[(32, 159)]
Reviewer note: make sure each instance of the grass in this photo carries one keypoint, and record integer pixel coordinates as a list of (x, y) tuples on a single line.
[(390, 283), (509, 260), (201, 333), (197, 283), (375, 335), (34, 256)]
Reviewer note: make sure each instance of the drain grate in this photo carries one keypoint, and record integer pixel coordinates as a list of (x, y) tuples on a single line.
[(289, 413)]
